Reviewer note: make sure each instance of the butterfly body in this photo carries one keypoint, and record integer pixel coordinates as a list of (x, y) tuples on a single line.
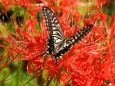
[(57, 44), (62, 49)]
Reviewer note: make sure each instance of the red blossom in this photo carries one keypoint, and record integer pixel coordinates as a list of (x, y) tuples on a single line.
[(88, 63), (24, 3), (101, 2), (102, 16), (6, 4), (81, 62)]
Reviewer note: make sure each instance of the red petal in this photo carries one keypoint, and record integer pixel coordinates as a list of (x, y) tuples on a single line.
[(112, 20), (31, 27), (87, 21), (101, 2), (6, 2), (102, 16), (24, 3)]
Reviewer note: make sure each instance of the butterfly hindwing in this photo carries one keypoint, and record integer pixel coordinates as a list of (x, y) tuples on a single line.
[(80, 34), (75, 38)]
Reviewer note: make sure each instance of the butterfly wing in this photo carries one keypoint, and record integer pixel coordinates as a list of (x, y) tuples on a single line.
[(55, 35), (75, 38), (57, 45)]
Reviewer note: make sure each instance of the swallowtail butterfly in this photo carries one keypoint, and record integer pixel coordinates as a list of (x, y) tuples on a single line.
[(57, 44)]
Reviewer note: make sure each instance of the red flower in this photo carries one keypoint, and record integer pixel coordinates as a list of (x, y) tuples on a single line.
[(25, 3), (88, 63), (101, 2)]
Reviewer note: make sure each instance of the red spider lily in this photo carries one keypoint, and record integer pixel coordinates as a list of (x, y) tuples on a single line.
[(28, 4), (88, 63), (101, 2), (84, 66), (6, 3), (80, 64), (25, 3)]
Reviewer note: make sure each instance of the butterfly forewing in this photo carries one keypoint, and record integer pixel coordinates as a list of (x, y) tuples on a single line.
[(54, 29)]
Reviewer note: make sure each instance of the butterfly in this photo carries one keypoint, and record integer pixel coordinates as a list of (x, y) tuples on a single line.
[(57, 43)]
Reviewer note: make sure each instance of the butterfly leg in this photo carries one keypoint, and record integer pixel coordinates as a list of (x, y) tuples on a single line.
[(44, 53)]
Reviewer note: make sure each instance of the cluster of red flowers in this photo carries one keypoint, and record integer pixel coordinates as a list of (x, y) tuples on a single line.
[(91, 62)]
